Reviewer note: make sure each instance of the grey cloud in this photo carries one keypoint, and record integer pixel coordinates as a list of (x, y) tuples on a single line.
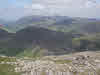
[(74, 8), (82, 8)]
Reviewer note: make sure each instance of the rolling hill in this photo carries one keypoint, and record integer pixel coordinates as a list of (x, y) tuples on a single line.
[(55, 35), (57, 23), (30, 37)]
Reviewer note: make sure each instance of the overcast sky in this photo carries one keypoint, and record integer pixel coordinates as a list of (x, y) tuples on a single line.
[(76, 8), (14, 9)]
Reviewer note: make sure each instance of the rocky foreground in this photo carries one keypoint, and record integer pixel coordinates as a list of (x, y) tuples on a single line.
[(83, 63)]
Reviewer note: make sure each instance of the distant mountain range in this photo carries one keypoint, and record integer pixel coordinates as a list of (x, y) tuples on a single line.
[(51, 22), (54, 34)]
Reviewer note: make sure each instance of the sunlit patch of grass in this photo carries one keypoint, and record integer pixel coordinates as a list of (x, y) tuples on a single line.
[(43, 73), (83, 73), (6, 69), (62, 61), (6, 59), (98, 72)]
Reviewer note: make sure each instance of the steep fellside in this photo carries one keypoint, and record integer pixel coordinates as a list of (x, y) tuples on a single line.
[(29, 38)]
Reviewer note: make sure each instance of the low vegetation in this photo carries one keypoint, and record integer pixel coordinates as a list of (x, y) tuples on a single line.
[(6, 69), (6, 59)]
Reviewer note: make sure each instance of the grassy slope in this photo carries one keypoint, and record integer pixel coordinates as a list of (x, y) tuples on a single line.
[(73, 28), (7, 69)]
